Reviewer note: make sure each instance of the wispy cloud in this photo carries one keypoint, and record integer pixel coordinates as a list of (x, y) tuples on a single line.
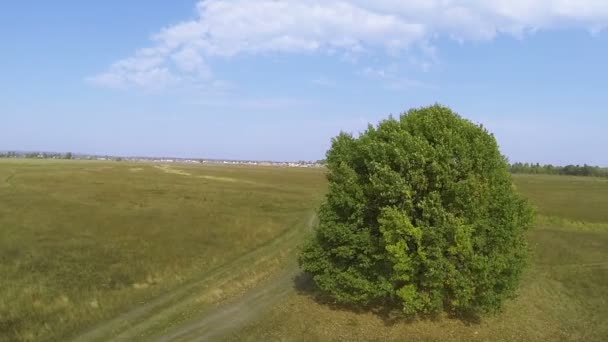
[(323, 81), (223, 28), (392, 78), (147, 68), (251, 103)]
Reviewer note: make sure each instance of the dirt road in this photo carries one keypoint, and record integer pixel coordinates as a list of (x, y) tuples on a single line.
[(154, 320), (232, 316)]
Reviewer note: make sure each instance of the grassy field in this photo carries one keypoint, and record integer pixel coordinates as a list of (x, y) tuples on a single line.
[(582, 199), (81, 242), (116, 251), (563, 297)]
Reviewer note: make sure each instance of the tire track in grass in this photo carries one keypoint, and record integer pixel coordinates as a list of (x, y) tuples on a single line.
[(138, 322), (231, 316), (8, 180), (168, 169)]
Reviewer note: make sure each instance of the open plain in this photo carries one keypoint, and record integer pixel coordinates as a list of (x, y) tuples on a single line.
[(114, 250)]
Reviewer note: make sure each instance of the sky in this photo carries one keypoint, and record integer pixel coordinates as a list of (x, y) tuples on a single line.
[(277, 79)]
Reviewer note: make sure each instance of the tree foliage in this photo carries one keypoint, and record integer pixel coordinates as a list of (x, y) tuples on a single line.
[(421, 213)]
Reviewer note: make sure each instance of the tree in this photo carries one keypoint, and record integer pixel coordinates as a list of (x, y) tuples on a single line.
[(68, 155), (420, 213)]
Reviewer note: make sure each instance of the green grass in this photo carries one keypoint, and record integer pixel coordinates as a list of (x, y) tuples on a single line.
[(563, 296), (81, 242), (573, 198)]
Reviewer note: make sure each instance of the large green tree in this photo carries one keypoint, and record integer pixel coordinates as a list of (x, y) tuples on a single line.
[(421, 213)]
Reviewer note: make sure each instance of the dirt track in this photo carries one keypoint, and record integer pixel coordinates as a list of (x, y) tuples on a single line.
[(232, 316), (215, 322)]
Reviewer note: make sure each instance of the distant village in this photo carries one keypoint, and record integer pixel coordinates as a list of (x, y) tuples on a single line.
[(69, 155)]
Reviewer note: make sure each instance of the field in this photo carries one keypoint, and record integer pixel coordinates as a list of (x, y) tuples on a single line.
[(81, 242), (572, 198), (563, 297), (96, 251)]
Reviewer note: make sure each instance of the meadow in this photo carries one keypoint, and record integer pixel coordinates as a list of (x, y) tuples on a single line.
[(563, 296), (96, 251), (83, 241)]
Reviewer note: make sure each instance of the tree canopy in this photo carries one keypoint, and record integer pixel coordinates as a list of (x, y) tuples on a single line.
[(420, 213)]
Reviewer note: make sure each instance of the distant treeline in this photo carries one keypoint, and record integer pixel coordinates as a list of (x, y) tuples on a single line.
[(570, 170), (37, 155)]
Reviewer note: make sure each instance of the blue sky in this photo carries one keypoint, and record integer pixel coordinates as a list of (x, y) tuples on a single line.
[(277, 79)]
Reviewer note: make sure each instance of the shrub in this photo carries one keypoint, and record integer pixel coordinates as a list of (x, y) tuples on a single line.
[(421, 213)]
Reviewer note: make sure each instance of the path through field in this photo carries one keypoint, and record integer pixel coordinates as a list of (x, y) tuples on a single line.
[(168, 169), (143, 322), (8, 179), (232, 316)]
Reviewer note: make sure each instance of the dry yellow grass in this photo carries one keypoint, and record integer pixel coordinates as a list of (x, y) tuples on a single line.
[(81, 242)]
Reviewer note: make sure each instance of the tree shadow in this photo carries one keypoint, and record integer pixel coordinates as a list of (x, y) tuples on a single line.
[(389, 313)]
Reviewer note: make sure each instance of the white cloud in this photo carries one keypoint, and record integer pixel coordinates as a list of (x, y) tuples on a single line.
[(391, 78), (224, 28), (323, 81), (257, 103), (146, 69), (190, 60)]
